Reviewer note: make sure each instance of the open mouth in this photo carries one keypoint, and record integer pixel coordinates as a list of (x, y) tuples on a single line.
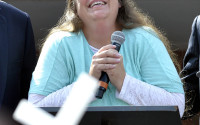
[(97, 3)]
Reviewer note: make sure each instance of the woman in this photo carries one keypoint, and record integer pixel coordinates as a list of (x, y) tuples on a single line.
[(81, 42)]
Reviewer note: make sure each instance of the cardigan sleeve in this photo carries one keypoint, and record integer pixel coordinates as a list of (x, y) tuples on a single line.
[(51, 72), (155, 65), (138, 93)]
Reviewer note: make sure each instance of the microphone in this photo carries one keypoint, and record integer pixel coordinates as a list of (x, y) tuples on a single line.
[(117, 38)]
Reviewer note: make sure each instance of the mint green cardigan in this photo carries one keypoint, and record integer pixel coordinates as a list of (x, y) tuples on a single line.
[(65, 55)]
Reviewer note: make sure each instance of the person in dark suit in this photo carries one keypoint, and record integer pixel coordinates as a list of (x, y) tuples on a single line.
[(190, 69), (17, 55)]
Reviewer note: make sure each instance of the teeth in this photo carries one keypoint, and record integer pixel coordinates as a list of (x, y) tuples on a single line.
[(98, 3)]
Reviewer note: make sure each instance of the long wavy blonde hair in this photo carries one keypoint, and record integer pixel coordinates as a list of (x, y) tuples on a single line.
[(129, 16)]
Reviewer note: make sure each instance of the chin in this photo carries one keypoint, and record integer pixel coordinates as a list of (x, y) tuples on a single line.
[(100, 15)]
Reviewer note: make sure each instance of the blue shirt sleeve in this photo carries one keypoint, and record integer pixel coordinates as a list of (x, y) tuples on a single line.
[(51, 72), (156, 66)]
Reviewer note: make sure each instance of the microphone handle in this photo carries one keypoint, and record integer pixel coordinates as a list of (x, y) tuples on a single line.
[(104, 79)]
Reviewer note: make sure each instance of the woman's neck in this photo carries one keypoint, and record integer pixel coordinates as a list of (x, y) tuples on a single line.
[(99, 35)]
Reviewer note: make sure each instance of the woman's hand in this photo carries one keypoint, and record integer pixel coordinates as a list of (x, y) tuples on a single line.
[(108, 59), (117, 74)]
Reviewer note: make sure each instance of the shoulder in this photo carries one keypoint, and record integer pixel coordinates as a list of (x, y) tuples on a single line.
[(60, 37), (9, 9), (196, 25), (198, 21), (197, 18), (142, 31), (143, 36)]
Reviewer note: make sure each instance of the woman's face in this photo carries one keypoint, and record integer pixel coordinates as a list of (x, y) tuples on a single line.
[(97, 10)]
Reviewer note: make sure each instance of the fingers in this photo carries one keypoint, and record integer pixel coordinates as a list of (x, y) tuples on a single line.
[(102, 67), (102, 64), (119, 62), (107, 56), (106, 60), (96, 69), (109, 46), (107, 51)]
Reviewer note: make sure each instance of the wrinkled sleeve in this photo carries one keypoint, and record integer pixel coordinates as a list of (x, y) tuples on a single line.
[(156, 66), (51, 72)]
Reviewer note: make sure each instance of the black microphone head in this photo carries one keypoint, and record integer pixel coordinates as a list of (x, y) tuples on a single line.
[(117, 37)]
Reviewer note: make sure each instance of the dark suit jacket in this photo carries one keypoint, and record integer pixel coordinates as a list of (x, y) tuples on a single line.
[(191, 59), (17, 55), (190, 68)]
